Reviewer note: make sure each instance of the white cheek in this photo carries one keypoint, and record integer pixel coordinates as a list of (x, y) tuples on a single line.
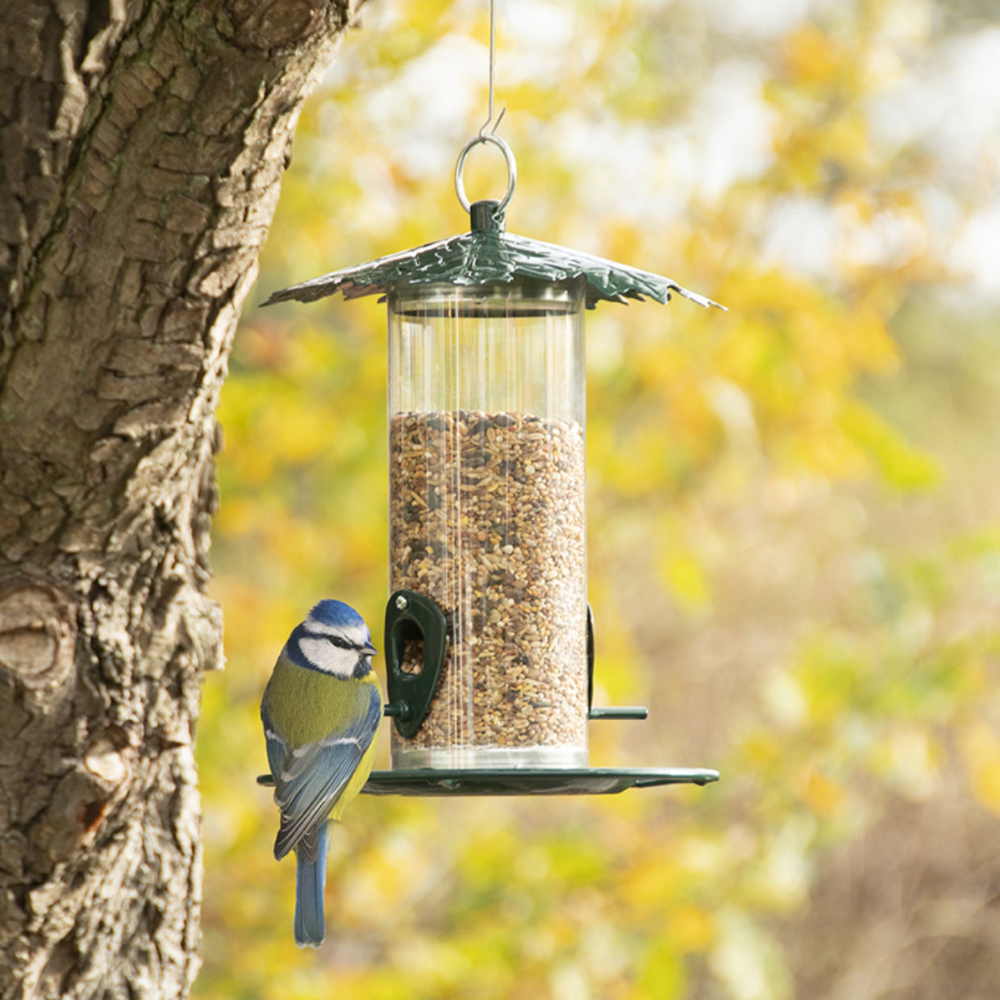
[(329, 658)]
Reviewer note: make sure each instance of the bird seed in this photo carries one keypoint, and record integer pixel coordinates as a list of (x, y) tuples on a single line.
[(487, 518)]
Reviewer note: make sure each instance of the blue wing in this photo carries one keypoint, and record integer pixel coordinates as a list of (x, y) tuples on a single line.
[(309, 779)]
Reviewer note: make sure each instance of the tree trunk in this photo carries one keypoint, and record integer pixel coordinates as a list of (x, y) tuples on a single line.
[(141, 144)]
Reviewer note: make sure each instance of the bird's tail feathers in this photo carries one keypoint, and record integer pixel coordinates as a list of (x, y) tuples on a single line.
[(310, 884)]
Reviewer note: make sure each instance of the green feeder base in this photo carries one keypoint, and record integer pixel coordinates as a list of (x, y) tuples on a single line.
[(514, 781), (521, 781)]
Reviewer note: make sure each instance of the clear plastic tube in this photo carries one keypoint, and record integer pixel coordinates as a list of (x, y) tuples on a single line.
[(487, 516)]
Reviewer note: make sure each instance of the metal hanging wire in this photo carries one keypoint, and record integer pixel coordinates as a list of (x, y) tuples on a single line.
[(488, 137), (493, 61)]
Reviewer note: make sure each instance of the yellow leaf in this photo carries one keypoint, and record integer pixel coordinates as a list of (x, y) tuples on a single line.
[(900, 464), (809, 55), (823, 796), (980, 748), (685, 578), (690, 928)]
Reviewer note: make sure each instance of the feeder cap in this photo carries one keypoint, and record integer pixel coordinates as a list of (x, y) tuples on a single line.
[(486, 217)]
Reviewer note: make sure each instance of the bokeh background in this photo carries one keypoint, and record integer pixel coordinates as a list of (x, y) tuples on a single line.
[(794, 507)]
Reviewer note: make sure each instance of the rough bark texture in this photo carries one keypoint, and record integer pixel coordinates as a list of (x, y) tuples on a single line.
[(141, 143)]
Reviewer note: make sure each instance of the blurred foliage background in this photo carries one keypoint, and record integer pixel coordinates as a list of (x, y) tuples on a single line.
[(794, 507)]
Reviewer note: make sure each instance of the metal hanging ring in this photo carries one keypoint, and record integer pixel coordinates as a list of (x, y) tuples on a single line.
[(508, 155)]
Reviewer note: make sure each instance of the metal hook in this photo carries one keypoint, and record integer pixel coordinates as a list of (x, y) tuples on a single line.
[(493, 59), (493, 131)]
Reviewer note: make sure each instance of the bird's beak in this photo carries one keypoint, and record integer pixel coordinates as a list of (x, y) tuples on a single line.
[(368, 649)]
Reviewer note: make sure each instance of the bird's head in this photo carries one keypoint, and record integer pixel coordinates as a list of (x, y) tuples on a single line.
[(333, 639)]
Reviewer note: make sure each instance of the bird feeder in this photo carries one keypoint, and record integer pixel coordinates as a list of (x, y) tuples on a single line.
[(489, 640)]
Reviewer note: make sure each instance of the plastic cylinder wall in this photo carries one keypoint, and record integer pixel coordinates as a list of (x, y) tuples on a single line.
[(487, 516)]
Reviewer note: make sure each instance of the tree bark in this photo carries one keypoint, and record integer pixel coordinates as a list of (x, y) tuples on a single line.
[(141, 144)]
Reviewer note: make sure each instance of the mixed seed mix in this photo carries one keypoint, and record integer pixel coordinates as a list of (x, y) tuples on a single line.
[(487, 518)]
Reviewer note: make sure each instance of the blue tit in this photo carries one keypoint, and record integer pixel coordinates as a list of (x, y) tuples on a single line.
[(321, 710)]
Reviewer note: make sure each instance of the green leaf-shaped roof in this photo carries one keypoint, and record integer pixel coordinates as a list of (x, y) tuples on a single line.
[(486, 256)]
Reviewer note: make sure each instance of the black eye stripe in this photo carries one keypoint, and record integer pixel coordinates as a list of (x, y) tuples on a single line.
[(339, 641)]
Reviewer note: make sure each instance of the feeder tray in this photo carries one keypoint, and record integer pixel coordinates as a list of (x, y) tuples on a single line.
[(517, 781)]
